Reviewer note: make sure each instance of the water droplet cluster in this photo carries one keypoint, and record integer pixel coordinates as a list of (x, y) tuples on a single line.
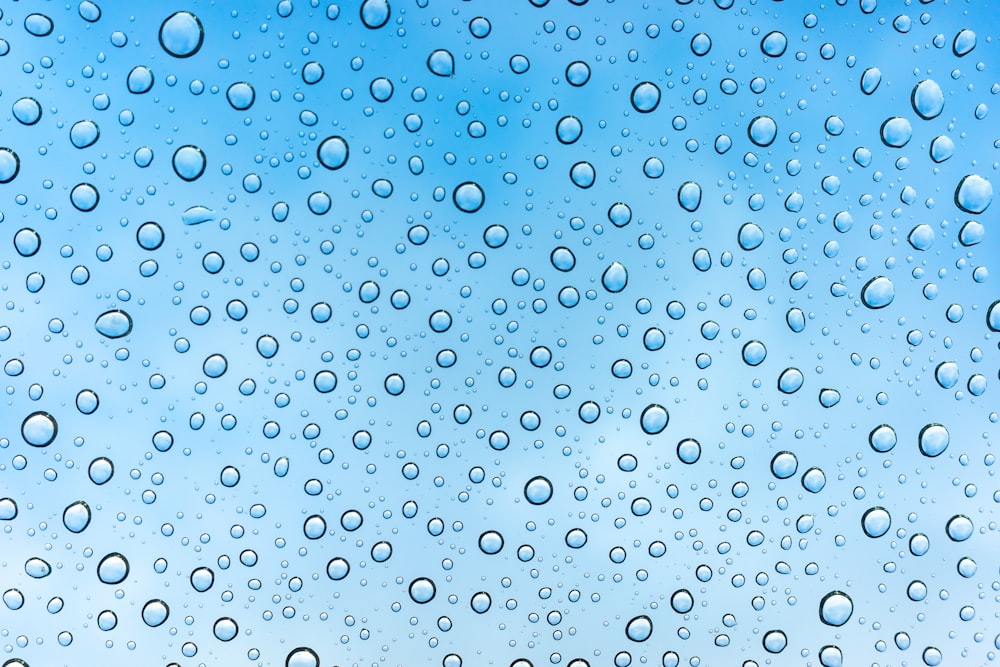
[(534, 333)]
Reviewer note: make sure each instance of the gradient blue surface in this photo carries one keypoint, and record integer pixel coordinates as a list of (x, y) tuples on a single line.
[(471, 333)]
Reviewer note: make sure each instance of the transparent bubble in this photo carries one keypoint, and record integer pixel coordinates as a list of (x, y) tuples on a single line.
[(181, 34), (784, 465), (933, 440), (76, 516), (896, 132), (959, 528), (37, 568), (829, 397), (469, 197), (645, 97), (870, 79), (750, 236), (576, 538), (337, 568), (878, 292), (39, 429), (441, 62), (491, 542), (189, 162), (140, 80), (27, 110), (38, 25), (101, 470), (790, 381), (927, 99), (836, 608), (422, 590), (876, 521), (974, 194), (689, 196), (964, 42), (375, 13), (225, 629), (615, 277), (202, 579), (701, 44), (639, 628), (113, 569), (682, 601), (538, 490), (27, 242), (241, 95), (775, 641), (578, 73), (814, 480), (762, 131), (754, 353), (8, 509), (569, 129), (774, 44)]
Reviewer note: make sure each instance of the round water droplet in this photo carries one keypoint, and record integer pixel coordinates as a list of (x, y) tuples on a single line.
[(959, 528), (202, 579), (27, 110), (654, 419), (836, 608), (76, 517), (38, 25), (101, 470), (241, 95), (762, 131), (774, 44), (583, 175), (784, 465), (754, 353), (775, 641), (750, 236), (441, 62), (491, 542), (215, 366), (10, 165), (422, 590), (790, 380), (39, 429), (114, 324), (876, 522), (946, 374), (615, 278), (933, 440), (13, 599), (27, 242), (394, 384), (538, 490), (882, 438), (569, 129), (181, 34), (578, 73), (8, 509), (896, 132), (140, 80), (36, 568), (814, 480), (645, 97), (829, 397), (927, 99), (337, 569), (964, 42), (974, 194), (576, 538), (155, 613), (113, 569), (469, 197), (682, 601), (84, 133), (993, 316), (870, 79), (225, 629), (639, 629), (689, 196), (84, 197), (878, 292), (189, 162), (689, 451), (375, 13)]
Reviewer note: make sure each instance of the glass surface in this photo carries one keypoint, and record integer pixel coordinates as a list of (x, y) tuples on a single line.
[(406, 332)]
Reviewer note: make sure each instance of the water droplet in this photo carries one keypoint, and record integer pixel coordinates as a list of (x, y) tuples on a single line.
[(38, 25), (762, 131), (645, 97), (615, 277), (10, 165), (491, 542), (775, 641), (689, 196), (878, 292), (933, 440), (181, 34), (39, 429), (578, 73), (422, 590), (784, 465), (896, 132), (639, 629), (155, 613), (140, 80), (569, 129), (689, 451), (538, 490), (8, 509), (113, 569), (974, 194), (441, 62), (876, 521), (754, 353), (836, 608), (225, 629), (790, 380), (37, 568), (84, 133), (750, 236), (375, 13), (964, 42), (927, 99), (189, 162), (27, 110), (959, 528), (774, 44), (114, 324), (241, 95), (76, 517), (870, 79), (654, 419), (829, 397), (469, 197)]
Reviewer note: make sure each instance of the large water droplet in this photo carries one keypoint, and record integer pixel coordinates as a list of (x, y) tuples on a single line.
[(181, 34), (639, 629), (538, 490), (645, 97), (39, 429), (654, 419), (927, 99), (878, 292), (76, 517), (114, 324), (469, 197), (615, 277), (876, 522), (441, 62), (836, 608), (974, 194), (113, 569), (933, 440)]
